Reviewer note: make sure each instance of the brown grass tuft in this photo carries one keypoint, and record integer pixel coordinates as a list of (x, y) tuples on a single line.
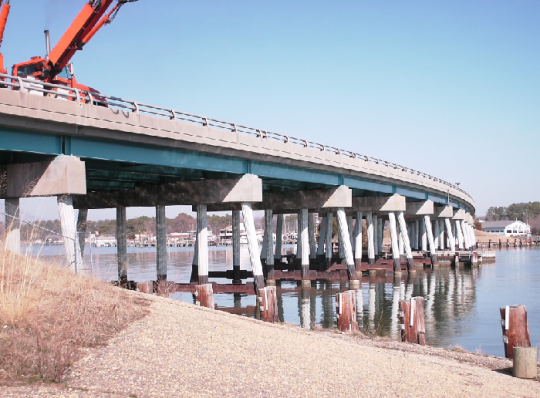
[(48, 315)]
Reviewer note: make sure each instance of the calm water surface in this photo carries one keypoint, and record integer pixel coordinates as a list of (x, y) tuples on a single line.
[(462, 304)]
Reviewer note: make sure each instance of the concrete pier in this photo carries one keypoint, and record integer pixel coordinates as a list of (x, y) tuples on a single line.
[(69, 231), (121, 244), (202, 244), (236, 246), (13, 225), (370, 237)]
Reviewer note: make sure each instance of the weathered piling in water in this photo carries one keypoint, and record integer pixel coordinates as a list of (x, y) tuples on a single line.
[(268, 304), (146, 287), (346, 311), (204, 295), (515, 328), (411, 315)]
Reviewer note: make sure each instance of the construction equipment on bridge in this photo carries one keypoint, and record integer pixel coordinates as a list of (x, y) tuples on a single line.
[(4, 13), (55, 67)]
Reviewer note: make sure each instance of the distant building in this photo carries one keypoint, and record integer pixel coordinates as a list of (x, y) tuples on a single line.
[(506, 228)]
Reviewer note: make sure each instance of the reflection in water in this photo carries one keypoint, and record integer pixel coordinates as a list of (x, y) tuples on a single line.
[(455, 311)]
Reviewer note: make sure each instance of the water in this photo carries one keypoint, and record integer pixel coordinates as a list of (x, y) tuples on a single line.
[(461, 304)]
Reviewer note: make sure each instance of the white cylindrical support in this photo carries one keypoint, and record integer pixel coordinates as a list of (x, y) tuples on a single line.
[(436, 233), (236, 245), (322, 236), (375, 235), (69, 232), (400, 241), (303, 236), (346, 239), (202, 243), (459, 233), (416, 235), (298, 237), (424, 236), (269, 243), (432, 248), (253, 246), (466, 242), (121, 243), (195, 262), (350, 221), (279, 237), (161, 245), (329, 246), (380, 231), (473, 237), (81, 229), (406, 241), (370, 232), (394, 240), (442, 239), (311, 233), (358, 239), (451, 240), (263, 246), (13, 226)]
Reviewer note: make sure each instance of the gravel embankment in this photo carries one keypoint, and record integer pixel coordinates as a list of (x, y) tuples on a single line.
[(181, 350)]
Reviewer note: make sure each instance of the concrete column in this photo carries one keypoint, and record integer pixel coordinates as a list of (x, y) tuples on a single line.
[(341, 247), (350, 225), (195, 263), (370, 232), (416, 234), (329, 248), (466, 243), (13, 226), (269, 231), (263, 246), (436, 233), (394, 238), (253, 246), (121, 243), (298, 240), (311, 233), (473, 236), (303, 235), (406, 241), (236, 246), (322, 236), (81, 229), (424, 236), (346, 239), (431, 241), (358, 240), (161, 245), (442, 239), (459, 234), (279, 237), (452, 242), (376, 235), (380, 229), (69, 232), (401, 244)]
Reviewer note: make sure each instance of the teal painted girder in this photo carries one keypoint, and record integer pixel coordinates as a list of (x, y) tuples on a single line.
[(135, 154)]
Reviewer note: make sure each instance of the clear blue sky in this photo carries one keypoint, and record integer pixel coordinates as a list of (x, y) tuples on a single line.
[(449, 88)]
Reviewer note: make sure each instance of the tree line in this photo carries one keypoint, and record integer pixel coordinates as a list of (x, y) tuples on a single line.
[(525, 212)]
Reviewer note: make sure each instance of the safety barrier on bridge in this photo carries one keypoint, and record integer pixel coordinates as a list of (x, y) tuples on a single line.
[(34, 86)]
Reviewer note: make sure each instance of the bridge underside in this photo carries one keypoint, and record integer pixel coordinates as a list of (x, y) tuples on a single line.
[(113, 165)]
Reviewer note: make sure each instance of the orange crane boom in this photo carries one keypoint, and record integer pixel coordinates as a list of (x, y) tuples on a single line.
[(4, 13), (89, 20)]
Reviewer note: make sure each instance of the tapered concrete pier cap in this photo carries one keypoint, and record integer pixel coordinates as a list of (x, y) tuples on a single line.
[(525, 359)]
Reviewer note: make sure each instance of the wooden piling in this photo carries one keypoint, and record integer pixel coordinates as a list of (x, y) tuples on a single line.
[(525, 359), (268, 304), (146, 287), (515, 328), (411, 315), (204, 295), (346, 311)]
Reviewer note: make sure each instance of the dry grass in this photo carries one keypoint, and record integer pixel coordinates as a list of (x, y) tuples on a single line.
[(49, 315)]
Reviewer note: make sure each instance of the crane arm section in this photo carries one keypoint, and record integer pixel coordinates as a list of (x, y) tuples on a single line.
[(71, 41), (4, 13)]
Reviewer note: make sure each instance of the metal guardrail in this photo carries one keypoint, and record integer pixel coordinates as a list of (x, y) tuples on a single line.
[(74, 94)]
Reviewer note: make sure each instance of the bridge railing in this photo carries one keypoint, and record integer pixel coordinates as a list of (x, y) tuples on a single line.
[(33, 86)]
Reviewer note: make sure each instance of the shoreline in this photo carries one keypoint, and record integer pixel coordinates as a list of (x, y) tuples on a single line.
[(180, 349)]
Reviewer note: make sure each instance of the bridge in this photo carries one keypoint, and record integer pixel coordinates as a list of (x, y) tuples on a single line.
[(106, 152)]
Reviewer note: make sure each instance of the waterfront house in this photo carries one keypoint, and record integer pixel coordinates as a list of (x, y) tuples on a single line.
[(507, 228)]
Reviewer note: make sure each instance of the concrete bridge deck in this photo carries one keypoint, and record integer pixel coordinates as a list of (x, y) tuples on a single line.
[(131, 154)]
